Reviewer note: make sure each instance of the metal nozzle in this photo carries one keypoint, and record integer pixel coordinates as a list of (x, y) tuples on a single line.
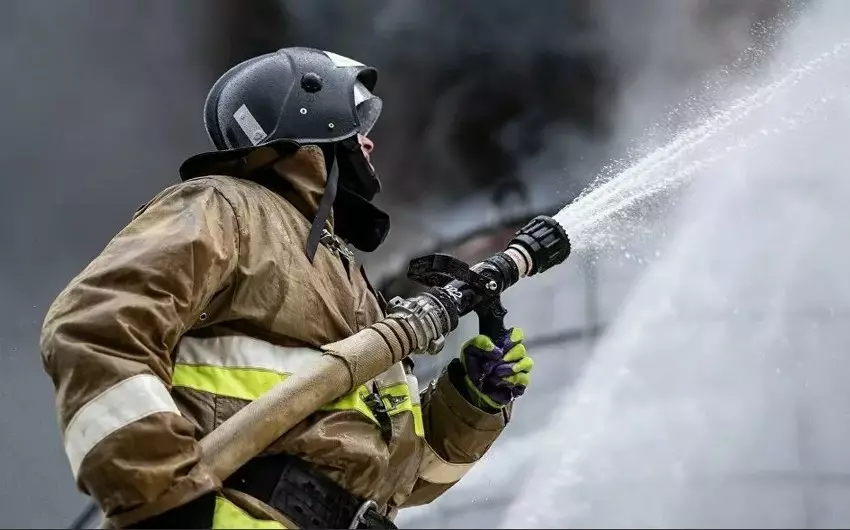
[(542, 242), (457, 288)]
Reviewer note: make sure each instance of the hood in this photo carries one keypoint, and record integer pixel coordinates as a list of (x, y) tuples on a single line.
[(304, 176), (298, 173)]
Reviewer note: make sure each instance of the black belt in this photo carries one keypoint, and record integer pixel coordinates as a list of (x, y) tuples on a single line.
[(307, 497)]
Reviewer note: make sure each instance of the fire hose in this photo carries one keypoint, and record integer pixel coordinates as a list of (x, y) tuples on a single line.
[(414, 325)]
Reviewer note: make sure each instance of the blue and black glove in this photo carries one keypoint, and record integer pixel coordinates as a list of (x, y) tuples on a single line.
[(496, 373)]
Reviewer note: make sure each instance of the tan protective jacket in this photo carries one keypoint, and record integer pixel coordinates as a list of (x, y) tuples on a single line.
[(201, 304)]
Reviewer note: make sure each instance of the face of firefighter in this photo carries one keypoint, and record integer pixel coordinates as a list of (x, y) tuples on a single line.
[(367, 146)]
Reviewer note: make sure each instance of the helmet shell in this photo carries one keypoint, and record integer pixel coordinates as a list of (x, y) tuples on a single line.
[(303, 95)]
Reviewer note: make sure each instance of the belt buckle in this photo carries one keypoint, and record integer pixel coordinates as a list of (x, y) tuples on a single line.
[(358, 517)]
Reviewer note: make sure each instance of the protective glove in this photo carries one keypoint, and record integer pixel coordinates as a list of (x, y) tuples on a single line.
[(496, 373)]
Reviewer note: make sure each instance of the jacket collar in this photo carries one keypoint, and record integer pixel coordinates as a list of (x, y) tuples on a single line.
[(299, 177), (299, 174)]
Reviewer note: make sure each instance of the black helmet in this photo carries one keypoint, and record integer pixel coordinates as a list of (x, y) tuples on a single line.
[(300, 96)]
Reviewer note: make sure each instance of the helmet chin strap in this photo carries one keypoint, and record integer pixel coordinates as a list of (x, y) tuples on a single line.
[(325, 206)]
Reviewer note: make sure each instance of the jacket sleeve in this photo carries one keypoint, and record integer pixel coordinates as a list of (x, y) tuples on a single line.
[(457, 434), (106, 344)]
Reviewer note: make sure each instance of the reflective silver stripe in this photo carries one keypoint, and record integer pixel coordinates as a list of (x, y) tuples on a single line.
[(413, 384), (249, 124), (437, 471), (237, 351), (393, 376), (341, 61), (116, 407), (361, 93)]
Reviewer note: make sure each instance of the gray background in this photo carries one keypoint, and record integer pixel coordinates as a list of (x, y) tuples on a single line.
[(102, 103)]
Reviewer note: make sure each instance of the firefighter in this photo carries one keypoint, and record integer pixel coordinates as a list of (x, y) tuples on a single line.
[(225, 284)]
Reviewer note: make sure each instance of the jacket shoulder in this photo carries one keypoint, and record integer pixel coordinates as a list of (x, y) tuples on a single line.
[(261, 213), (183, 190), (233, 189), (239, 192)]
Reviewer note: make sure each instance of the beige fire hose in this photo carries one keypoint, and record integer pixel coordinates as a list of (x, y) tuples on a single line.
[(346, 364)]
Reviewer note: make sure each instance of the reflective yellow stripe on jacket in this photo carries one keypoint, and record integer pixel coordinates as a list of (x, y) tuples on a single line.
[(246, 368), (236, 366), (228, 516), (399, 393), (404, 397)]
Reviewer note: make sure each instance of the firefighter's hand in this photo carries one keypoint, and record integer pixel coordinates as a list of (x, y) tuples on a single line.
[(496, 373)]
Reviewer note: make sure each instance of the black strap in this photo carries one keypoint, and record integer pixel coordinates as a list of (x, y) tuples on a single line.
[(309, 498), (324, 210), (268, 178)]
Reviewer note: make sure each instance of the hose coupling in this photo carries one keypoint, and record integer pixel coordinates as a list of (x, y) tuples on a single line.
[(425, 317)]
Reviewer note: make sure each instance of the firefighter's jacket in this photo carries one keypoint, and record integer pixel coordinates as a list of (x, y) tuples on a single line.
[(202, 303)]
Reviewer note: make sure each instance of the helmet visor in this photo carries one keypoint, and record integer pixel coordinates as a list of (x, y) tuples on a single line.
[(368, 107)]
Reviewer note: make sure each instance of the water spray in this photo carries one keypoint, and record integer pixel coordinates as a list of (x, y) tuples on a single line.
[(414, 325)]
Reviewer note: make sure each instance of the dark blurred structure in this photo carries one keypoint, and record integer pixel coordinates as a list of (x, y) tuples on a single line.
[(455, 80), (103, 101)]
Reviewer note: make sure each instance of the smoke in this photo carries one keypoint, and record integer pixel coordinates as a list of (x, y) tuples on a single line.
[(714, 399), (475, 91), (481, 96)]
